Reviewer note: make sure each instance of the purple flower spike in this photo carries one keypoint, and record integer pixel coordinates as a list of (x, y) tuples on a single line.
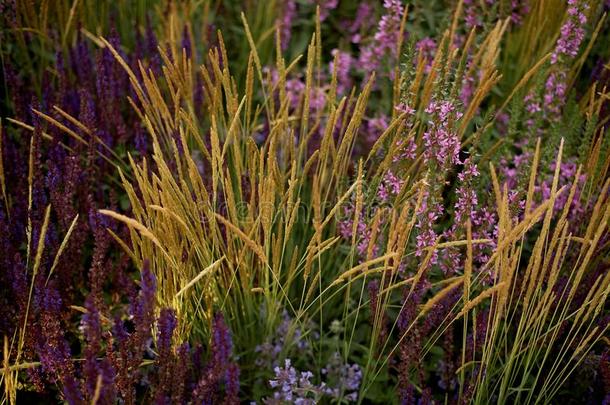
[(222, 343)]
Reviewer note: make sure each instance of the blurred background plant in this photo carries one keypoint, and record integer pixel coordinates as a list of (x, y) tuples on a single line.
[(303, 201)]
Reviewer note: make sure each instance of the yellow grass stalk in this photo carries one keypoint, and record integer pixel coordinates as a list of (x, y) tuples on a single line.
[(480, 298), (208, 270), (9, 376), (257, 249), (62, 246), (440, 295), (362, 267)]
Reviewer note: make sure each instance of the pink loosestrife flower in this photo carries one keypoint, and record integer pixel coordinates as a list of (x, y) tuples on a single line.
[(325, 7), (442, 145), (389, 187), (361, 22), (482, 221), (571, 36), (385, 38), (288, 14), (375, 127), (519, 9), (344, 64), (572, 32), (427, 48)]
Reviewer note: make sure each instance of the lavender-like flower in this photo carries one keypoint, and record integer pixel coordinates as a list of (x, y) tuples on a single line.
[(292, 386), (269, 351), (343, 379)]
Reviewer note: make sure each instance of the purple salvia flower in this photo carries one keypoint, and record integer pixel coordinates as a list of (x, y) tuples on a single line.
[(92, 328), (205, 389), (165, 358), (71, 392), (144, 307), (108, 392), (198, 95), (151, 48), (53, 349), (130, 348), (186, 43), (166, 325), (81, 59), (121, 359), (141, 140), (232, 384), (97, 272), (220, 368), (222, 343), (182, 367), (410, 340)]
